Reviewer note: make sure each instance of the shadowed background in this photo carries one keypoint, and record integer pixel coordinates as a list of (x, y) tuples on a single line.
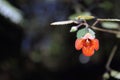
[(31, 49)]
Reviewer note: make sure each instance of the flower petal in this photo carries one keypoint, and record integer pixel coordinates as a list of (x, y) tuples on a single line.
[(88, 51), (88, 36), (78, 44), (95, 43)]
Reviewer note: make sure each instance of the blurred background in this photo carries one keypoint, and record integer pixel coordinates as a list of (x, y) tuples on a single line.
[(31, 49)]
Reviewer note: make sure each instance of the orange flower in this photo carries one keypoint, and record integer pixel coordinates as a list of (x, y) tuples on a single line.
[(88, 44)]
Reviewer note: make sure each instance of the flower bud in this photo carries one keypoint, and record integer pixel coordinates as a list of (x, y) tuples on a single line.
[(73, 29)]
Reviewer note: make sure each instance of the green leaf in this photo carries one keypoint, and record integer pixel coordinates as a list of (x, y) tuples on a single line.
[(115, 74), (110, 25), (72, 17), (91, 32), (106, 75), (83, 31), (118, 76)]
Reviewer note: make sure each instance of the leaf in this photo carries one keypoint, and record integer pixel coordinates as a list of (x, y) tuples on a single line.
[(91, 32), (62, 22), (110, 25), (72, 17), (106, 75), (85, 17), (115, 74), (83, 31)]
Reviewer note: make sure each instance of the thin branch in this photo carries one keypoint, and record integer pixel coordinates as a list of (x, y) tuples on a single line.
[(108, 19), (104, 30), (111, 57), (95, 23)]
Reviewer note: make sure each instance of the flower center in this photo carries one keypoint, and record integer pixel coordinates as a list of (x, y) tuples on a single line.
[(87, 43)]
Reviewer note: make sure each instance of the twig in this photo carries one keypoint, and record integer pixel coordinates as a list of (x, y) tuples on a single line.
[(104, 30), (111, 57), (108, 19), (95, 23)]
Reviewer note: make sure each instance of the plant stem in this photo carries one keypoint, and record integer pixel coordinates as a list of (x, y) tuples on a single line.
[(108, 19), (104, 30), (111, 57)]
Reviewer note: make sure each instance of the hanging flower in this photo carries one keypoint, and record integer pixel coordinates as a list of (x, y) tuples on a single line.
[(88, 44)]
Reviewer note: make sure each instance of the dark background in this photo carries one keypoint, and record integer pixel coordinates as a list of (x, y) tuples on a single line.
[(34, 50)]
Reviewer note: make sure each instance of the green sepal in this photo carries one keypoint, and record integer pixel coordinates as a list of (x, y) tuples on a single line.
[(81, 33)]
